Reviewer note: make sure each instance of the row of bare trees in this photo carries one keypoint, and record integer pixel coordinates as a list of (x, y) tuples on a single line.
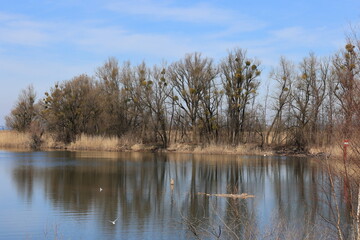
[(195, 100)]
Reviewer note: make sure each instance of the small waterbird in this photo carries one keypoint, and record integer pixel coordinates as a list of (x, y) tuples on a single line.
[(113, 222)]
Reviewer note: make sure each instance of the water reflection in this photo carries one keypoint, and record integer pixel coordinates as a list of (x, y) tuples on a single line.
[(136, 187)]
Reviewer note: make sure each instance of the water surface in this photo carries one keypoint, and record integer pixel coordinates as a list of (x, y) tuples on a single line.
[(47, 195)]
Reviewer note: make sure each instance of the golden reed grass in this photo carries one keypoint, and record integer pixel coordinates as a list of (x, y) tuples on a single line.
[(13, 139), (22, 140), (247, 149), (98, 143), (219, 149)]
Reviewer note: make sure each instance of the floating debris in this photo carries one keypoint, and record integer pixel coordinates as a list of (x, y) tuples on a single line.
[(242, 195)]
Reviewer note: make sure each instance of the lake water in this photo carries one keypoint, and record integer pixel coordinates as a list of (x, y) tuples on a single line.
[(56, 195)]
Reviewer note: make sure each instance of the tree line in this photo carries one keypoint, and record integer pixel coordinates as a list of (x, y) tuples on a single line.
[(195, 100)]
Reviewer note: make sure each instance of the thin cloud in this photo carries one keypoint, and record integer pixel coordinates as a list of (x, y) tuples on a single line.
[(89, 36), (17, 29), (115, 40), (295, 34), (6, 16), (300, 36), (200, 13)]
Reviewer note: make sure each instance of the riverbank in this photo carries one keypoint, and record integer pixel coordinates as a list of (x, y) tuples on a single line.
[(13, 139)]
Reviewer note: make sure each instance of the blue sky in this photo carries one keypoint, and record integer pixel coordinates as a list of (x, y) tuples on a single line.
[(42, 42)]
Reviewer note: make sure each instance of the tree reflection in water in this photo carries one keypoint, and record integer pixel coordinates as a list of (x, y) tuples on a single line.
[(136, 187)]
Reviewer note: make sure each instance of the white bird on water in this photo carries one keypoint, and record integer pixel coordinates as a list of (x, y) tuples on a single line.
[(113, 222), (101, 189)]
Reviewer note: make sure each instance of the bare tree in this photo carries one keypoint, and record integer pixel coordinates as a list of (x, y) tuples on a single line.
[(190, 79), (347, 69), (308, 96), (149, 90), (210, 112), (69, 107), (284, 77), (23, 113), (137, 84), (114, 118), (239, 75)]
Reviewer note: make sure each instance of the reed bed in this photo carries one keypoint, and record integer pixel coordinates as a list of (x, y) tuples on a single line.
[(20, 140), (13, 139), (246, 149), (97, 143)]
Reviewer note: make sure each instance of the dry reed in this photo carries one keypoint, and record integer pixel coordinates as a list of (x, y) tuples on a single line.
[(13, 139), (246, 149), (335, 150), (98, 143)]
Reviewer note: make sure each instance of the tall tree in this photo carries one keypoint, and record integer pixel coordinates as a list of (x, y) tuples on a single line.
[(308, 96), (239, 75), (284, 76), (69, 107), (301, 105), (136, 82), (190, 78), (23, 113), (159, 94), (114, 118), (209, 115), (347, 68), (152, 91)]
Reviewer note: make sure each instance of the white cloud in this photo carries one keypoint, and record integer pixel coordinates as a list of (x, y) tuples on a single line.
[(89, 36), (22, 36), (313, 37), (106, 38), (17, 29), (16, 73), (112, 39), (295, 34), (157, 10), (6, 16), (201, 13)]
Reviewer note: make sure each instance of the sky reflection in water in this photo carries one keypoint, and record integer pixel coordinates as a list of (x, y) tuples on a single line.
[(49, 194)]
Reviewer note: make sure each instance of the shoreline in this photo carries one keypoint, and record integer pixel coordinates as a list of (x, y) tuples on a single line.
[(16, 140)]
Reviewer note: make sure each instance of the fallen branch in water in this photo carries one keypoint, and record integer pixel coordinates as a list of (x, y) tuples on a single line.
[(242, 196)]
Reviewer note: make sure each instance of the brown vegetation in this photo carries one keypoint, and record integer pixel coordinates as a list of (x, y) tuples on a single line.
[(196, 103), (13, 139)]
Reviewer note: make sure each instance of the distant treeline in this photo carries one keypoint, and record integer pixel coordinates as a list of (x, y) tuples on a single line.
[(194, 100)]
